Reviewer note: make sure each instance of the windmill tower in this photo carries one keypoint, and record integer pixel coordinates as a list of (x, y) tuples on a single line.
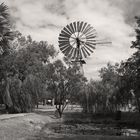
[(77, 41)]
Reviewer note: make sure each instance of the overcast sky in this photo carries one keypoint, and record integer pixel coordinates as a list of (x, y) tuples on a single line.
[(112, 19)]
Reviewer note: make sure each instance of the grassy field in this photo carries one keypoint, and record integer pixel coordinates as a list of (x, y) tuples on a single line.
[(86, 138), (36, 126)]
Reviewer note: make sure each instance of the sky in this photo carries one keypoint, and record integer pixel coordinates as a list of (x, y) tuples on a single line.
[(112, 19)]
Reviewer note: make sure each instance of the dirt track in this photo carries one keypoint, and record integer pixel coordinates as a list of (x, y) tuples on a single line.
[(23, 126)]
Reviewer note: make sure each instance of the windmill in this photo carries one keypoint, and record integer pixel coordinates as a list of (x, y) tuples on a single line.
[(77, 41)]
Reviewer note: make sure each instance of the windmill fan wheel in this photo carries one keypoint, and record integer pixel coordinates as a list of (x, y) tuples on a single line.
[(77, 40)]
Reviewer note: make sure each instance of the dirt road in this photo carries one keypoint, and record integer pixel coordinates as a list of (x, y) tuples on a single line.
[(24, 126)]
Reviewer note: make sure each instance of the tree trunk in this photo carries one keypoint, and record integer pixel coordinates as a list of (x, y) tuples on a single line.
[(7, 98), (60, 113), (87, 104), (135, 95), (37, 105), (138, 104)]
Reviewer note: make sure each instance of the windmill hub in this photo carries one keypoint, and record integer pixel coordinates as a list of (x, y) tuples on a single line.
[(78, 42)]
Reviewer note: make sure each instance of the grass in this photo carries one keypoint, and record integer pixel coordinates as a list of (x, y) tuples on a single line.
[(86, 137), (84, 119), (25, 127), (130, 119), (96, 138), (35, 126)]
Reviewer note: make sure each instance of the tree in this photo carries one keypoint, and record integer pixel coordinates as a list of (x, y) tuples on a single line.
[(103, 96), (131, 68), (111, 81), (6, 36), (63, 82), (26, 64), (30, 63), (117, 89)]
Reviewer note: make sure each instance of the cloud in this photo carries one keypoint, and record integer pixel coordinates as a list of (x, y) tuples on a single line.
[(130, 9), (44, 19)]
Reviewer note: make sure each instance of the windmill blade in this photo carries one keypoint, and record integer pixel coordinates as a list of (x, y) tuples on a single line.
[(74, 53), (91, 46), (92, 29), (72, 28), (63, 38), (83, 51), (91, 43), (85, 36), (63, 42), (81, 25), (64, 48), (84, 26), (86, 51), (70, 53), (66, 30), (64, 33), (92, 40), (86, 46), (75, 26), (85, 30), (78, 26), (90, 37), (69, 29), (91, 32)]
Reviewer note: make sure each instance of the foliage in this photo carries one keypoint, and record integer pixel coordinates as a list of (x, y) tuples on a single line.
[(64, 83), (28, 63), (107, 95), (6, 35), (131, 68)]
